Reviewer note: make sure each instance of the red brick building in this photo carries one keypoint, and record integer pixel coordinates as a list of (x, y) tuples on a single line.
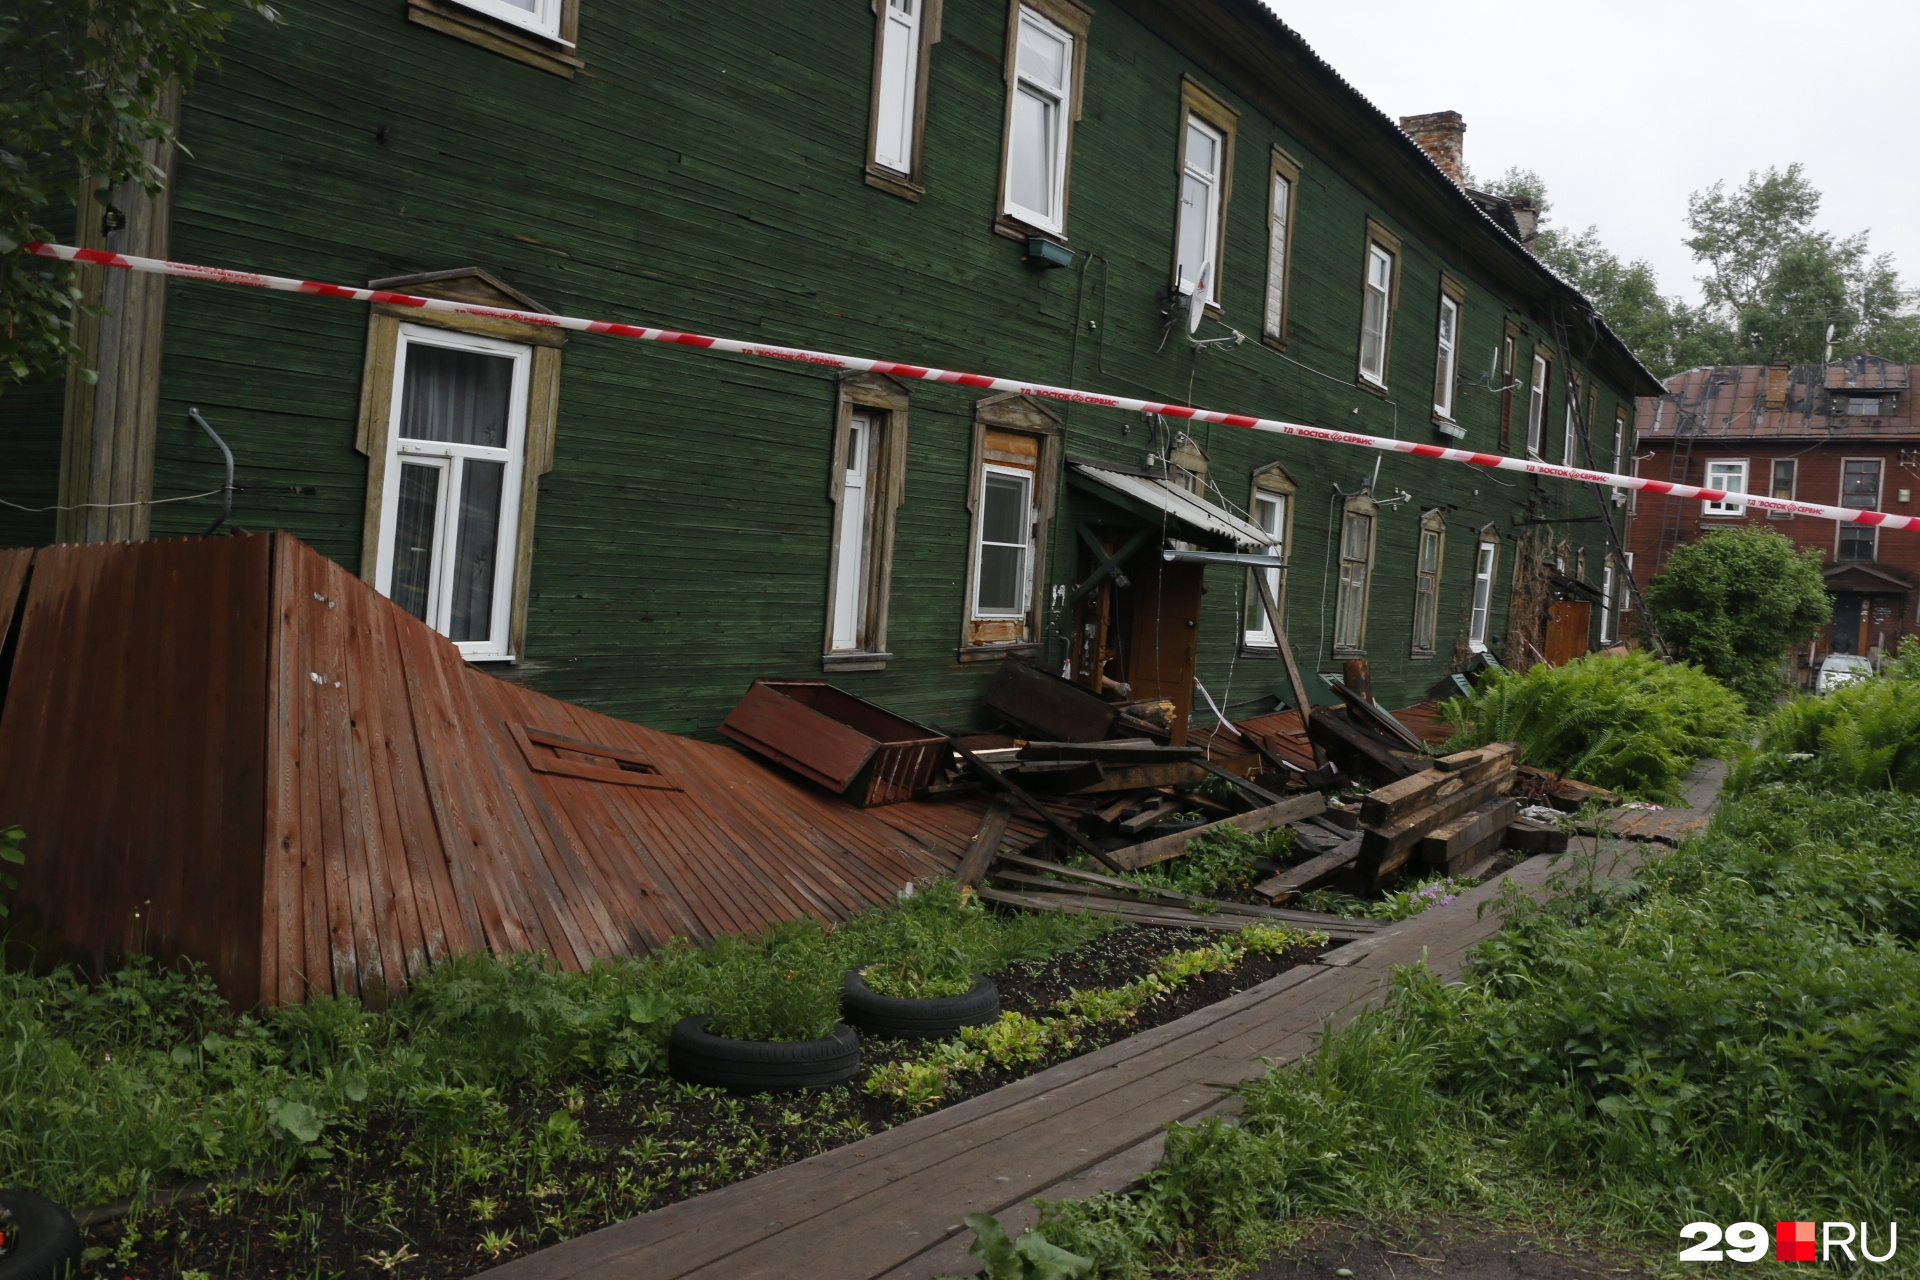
[(1844, 434)]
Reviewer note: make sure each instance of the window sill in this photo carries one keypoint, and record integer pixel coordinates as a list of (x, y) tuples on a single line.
[(502, 38), (1448, 427), (1013, 229), (490, 659), (892, 183), (1422, 655), (995, 652), (1258, 649), (1348, 653), (1371, 387), (854, 661)]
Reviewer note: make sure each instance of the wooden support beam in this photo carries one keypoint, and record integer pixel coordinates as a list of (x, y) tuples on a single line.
[(993, 779), (1145, 855), (1110, 563), (1294, 682), (986, 841), (1310, 874), (1386, 804), (1247, 785)]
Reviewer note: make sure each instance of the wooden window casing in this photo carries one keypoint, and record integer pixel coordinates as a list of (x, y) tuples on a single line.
[(1379, 301), (1283, 199), (904, 34), (1013, 436), (1784, 480), (1196, 230), (1359, 536), (1429, 559), (1539, 390), (876, 404), (379, 404), (1271, 507), (550, 42), (1050, 19)]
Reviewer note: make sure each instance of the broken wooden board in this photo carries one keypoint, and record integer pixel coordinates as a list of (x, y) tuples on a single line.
[(1387, 804), (1156, 899), (1310, 874), (1142, 777), (1110, 882), (1385, 850), (986, 841), (1665, 826), (1357, 750), (1125, 751), (1166, 916), (1456, 843), (1253, 822), (1528, 836), (1567, 794), (1057, 709)]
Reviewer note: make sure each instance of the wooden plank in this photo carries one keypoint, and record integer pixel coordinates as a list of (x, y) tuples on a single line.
[(1253, 822), (994, 779), (986, 841), (1356, 750), (1095, 878), (1149, 899), (1158, 808), (1247, 785), (1122, 752), (1142, 777), (1446, 844), (814, 746), (1302, 703), (1532, 837), (1365, 710), (1048, 705), (1387, 804), (1310, 874), (1385, 850)]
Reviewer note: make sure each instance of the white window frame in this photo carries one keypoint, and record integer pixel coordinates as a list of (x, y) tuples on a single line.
[(1735, 469), (1281, 503), (897, 85), (1446, 356), (448, 458), (1062, 101), (1793, 483), (1570, 445), (1283, 184), (1376, 305), (1537, 387), (853, 533), (1841, 527), (1606, 601), (1213, 181), (1486, 562), (1028, 480), (542, 20)]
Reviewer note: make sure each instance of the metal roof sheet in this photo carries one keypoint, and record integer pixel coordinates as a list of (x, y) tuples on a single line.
[(1188, 509), (1730, 402)]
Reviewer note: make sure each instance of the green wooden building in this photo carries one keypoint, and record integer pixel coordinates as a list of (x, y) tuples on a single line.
[(1028, 188)]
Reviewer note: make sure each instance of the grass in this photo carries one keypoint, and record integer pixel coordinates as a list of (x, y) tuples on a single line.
[(145, 1079), (1727, 1037), (1219, 862), (1864, 736), (1631, 724)]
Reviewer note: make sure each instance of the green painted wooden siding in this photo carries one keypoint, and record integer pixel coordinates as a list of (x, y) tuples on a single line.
[(706, 174)]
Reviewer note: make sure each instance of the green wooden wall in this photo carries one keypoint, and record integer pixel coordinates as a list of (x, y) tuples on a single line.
[(706, 174)]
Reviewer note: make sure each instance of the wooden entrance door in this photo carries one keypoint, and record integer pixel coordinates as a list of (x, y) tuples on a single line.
[(1569, 623), (1161, 624), (1849, 631)]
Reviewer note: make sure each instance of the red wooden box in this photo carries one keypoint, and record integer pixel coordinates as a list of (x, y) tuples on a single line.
[(844, 743)]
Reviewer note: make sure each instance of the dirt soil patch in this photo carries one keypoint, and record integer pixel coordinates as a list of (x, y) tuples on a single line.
[(1468, 1250), (550, 1163)]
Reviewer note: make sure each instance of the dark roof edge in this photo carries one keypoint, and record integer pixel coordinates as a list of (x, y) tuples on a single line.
[(1422, 169)]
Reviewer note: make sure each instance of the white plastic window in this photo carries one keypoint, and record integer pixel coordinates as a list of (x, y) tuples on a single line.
[(1606, 602), (854, 537), (451, 503), (1199, 233), (1374, 315), (1003, 552), (1537, 405), (542, 17), (1570, 444), (1037, 133), (899, 85), (1269, 513), (1729, 475), (1446, 358), (1484, 557)]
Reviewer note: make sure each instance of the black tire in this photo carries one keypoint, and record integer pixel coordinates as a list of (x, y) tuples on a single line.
[(697, 1056), (48, 1240), (911, 1019)]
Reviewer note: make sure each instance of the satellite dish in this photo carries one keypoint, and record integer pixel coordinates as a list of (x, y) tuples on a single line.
[(1197, 300)]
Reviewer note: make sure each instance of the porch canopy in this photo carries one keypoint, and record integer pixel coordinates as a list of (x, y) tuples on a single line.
[(1223, 537)]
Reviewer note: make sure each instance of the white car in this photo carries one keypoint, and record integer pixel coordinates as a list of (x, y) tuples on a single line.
[(1838, 669)]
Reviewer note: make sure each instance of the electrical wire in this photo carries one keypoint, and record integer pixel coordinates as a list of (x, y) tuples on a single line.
[(90, 506)]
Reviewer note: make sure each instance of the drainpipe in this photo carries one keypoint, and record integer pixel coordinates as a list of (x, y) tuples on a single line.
[(226, 490)]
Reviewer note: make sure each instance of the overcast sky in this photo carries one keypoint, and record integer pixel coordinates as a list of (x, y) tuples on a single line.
[(1625, 107)]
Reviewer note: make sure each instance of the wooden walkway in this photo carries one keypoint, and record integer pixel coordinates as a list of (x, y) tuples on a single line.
[(890, 1207)]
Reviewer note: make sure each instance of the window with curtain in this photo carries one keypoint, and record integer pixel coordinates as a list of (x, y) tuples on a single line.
[(1376, 312), (1356, 573), (853, 534), (1037, 127), (453, 480)]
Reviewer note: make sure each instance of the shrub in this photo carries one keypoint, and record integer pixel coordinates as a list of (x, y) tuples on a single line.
[(1736, 601), (1631, 723), (1865, 735), (1219, 862)]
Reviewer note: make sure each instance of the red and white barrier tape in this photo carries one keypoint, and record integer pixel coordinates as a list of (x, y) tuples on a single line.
[(221, 275)]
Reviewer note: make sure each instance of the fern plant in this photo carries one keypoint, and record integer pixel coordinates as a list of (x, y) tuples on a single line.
[(1863, 736), (1631, 723)]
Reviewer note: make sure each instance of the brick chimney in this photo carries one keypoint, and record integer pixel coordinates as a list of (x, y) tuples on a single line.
[(1526, 216), (1441, 135), (1777, 375)]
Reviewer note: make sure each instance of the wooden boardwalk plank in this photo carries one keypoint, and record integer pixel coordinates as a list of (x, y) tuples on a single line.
[(891, 1205)]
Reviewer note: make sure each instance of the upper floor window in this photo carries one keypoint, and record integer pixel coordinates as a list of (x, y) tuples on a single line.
[(1284, 180), (1785, 473), (1537, 403), (539, 16), (1870, 406), (1206, 181), (1043, 79), (905, 32), (1376, 313), (1446, 360), (1859, 489), (1729, 475), (1570, 443), (1509, 349)]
